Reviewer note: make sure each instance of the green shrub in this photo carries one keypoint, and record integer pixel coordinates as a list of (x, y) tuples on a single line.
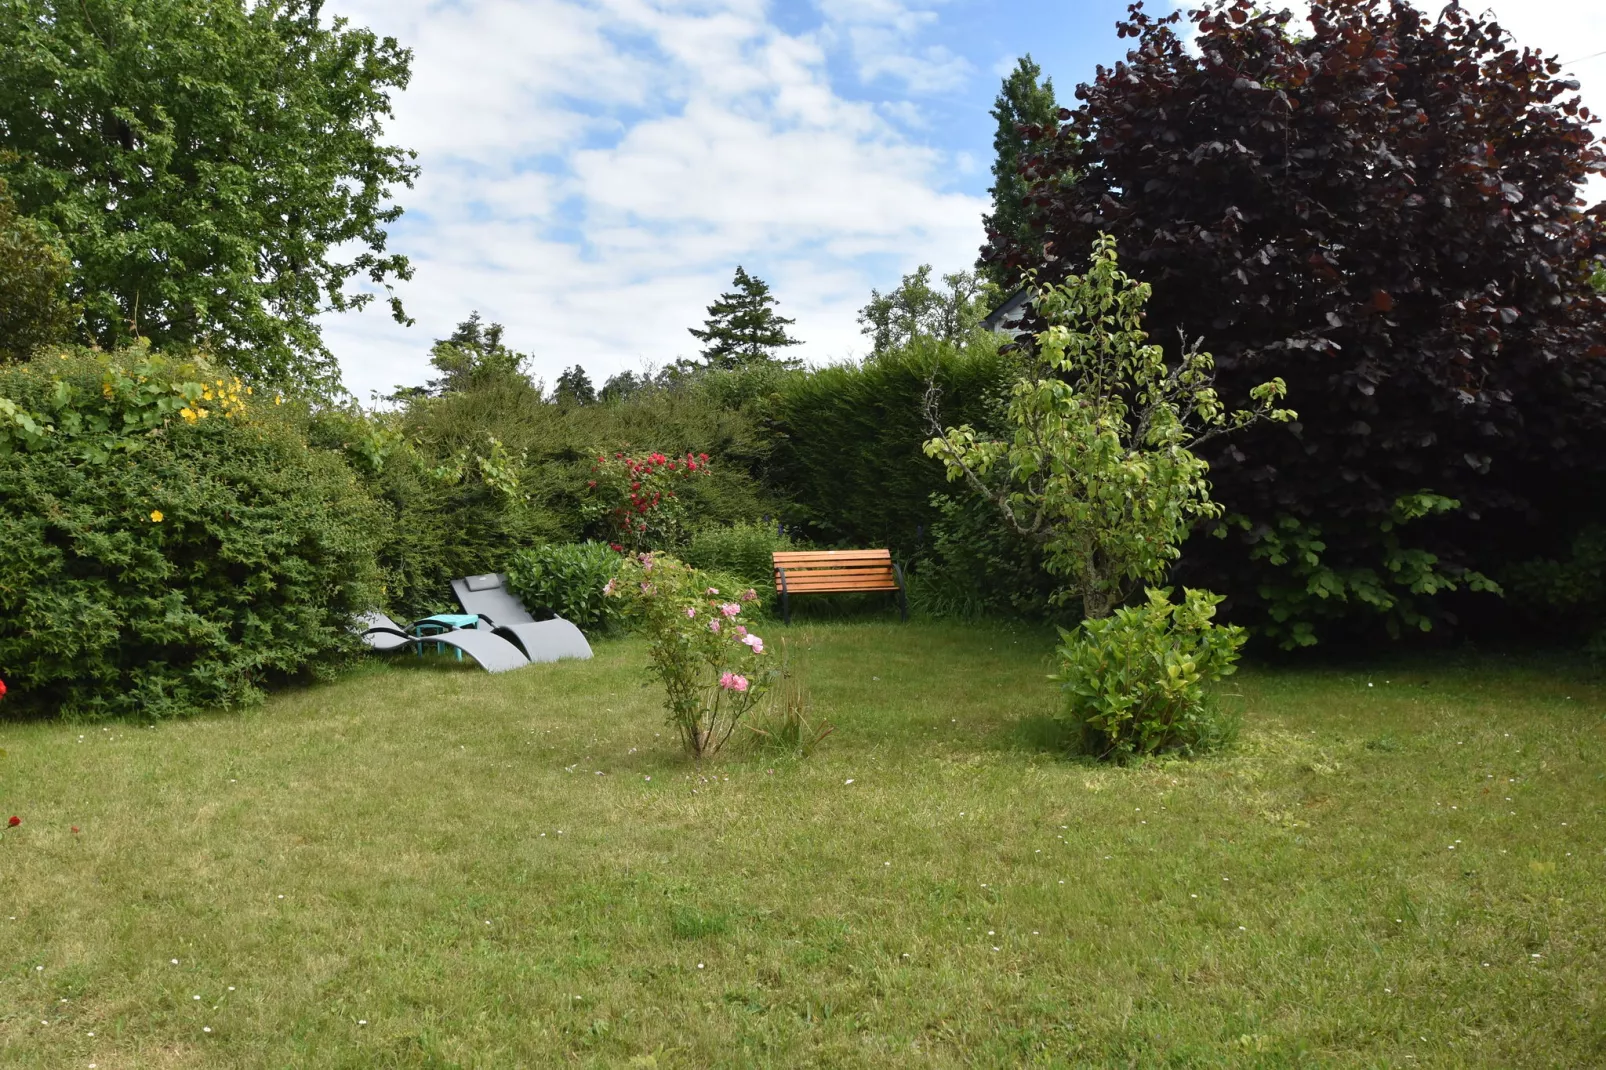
[(973, 566), (170, 543), (741, 550), (569, 581), (1134, 681)]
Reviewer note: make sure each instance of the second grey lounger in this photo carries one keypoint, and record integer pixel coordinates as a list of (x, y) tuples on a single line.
[(494, 653), (541, 640)]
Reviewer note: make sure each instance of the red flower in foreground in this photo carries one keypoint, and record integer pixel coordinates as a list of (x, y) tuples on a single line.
[(75, 828), (2, 689), (14, 822)]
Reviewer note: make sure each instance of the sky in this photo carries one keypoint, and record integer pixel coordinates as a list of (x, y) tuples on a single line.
[(593, 171)]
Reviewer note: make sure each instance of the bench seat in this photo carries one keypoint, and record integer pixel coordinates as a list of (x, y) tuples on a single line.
[(833, 571)]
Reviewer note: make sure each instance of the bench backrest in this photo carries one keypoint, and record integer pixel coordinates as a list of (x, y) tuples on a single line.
[(836, 570)]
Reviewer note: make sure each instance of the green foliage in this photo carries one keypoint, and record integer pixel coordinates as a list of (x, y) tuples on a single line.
[(714, 670), (1097, 468), (916, 309), (473, 356), (568, 580), (33, 280), (494, 467), (743, 328), (848, 440), (1025, 111), (1134, 681), (741, 550), (171, 544), (1567, 591), (1312, 590), (574, 387), (975, 566), (217, 169)]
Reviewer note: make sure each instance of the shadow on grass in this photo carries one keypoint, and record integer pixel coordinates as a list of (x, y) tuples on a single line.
[(1039, 733)]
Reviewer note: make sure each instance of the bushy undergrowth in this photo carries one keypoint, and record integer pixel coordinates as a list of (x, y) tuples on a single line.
[(171, 543), (1135, 681), (569, 580), (744, 550)]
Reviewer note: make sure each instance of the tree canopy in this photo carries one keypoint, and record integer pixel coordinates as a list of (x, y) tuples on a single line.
[(216, 169), (1384, 212), (743, 327), (33, 279), (1025, 111), (917, 309)]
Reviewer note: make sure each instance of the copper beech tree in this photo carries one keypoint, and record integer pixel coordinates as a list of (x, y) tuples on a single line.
[(1383, 209)]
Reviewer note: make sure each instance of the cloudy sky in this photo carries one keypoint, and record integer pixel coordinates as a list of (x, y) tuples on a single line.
[(594, 170)]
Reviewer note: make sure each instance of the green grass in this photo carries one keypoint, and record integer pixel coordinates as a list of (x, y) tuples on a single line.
[(520, 871)]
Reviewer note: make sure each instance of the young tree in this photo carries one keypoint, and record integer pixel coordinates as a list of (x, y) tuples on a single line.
[(474, 356), (1099, 468), (574, 387), (916, 309), (1383, 211), (1026, 112), (33, 281), (217, 169), (743, 328)]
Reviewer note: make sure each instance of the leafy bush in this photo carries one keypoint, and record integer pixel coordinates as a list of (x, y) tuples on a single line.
[(713, 669), (974, 566), (569, 580), (741, 550), (1134, 681), (171, 543)]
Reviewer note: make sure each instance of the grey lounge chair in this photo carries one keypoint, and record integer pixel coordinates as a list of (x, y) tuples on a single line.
[(541, 640), (492, 652)]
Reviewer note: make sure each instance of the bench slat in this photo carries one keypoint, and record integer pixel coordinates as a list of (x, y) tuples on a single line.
[(878, 583), (830, 557)]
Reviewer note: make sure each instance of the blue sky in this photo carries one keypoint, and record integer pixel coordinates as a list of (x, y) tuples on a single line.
[(594, 170)]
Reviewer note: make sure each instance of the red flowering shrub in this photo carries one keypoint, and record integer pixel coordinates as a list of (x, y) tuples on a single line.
[(631, 501)]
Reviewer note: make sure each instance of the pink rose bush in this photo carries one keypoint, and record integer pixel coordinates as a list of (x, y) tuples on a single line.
[(713, 669)]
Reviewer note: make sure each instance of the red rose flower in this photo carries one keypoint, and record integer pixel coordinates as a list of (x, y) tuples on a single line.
[(14, 822), (2, 689)]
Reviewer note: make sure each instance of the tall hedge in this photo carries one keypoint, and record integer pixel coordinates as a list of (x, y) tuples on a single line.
[(847, 449), (171, 542)]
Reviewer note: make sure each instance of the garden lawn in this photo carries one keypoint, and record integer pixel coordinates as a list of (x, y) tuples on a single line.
[(424, 865)]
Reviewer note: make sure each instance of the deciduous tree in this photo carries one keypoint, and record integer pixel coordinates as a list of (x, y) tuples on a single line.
[(217, 169), (1385, 212)]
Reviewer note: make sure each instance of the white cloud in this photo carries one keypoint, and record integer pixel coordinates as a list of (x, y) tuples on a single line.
[(593, 172)]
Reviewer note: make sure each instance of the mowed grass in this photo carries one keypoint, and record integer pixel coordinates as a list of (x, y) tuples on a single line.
[(423, 865)]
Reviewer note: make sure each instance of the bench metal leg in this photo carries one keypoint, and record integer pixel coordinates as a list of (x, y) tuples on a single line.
[(903, 600), (786, 600)]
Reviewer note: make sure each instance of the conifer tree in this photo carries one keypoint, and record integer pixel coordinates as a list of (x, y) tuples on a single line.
[(1023, 109), (743, 328)]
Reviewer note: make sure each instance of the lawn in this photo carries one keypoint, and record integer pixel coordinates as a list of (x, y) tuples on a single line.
[(423, 865)]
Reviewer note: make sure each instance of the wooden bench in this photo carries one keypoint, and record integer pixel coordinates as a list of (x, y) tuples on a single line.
[(821, 571)]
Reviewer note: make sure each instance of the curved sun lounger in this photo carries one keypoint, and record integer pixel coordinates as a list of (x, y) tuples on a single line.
[(541, 640), (493, 653)]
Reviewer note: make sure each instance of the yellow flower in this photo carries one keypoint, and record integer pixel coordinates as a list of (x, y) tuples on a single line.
[(248, 390), (156, 516), (279, 400), (188, 414)]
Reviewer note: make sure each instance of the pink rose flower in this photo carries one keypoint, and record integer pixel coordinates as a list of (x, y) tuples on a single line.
[(750, 595), (713, 626), (727, 680), (691, 611), (730, 609), (713, 591), (755, 642), (738, 682), (740, 630)]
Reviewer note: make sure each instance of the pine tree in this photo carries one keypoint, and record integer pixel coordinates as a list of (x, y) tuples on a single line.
[(1021, 102), (574, 388), (742, 328)]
